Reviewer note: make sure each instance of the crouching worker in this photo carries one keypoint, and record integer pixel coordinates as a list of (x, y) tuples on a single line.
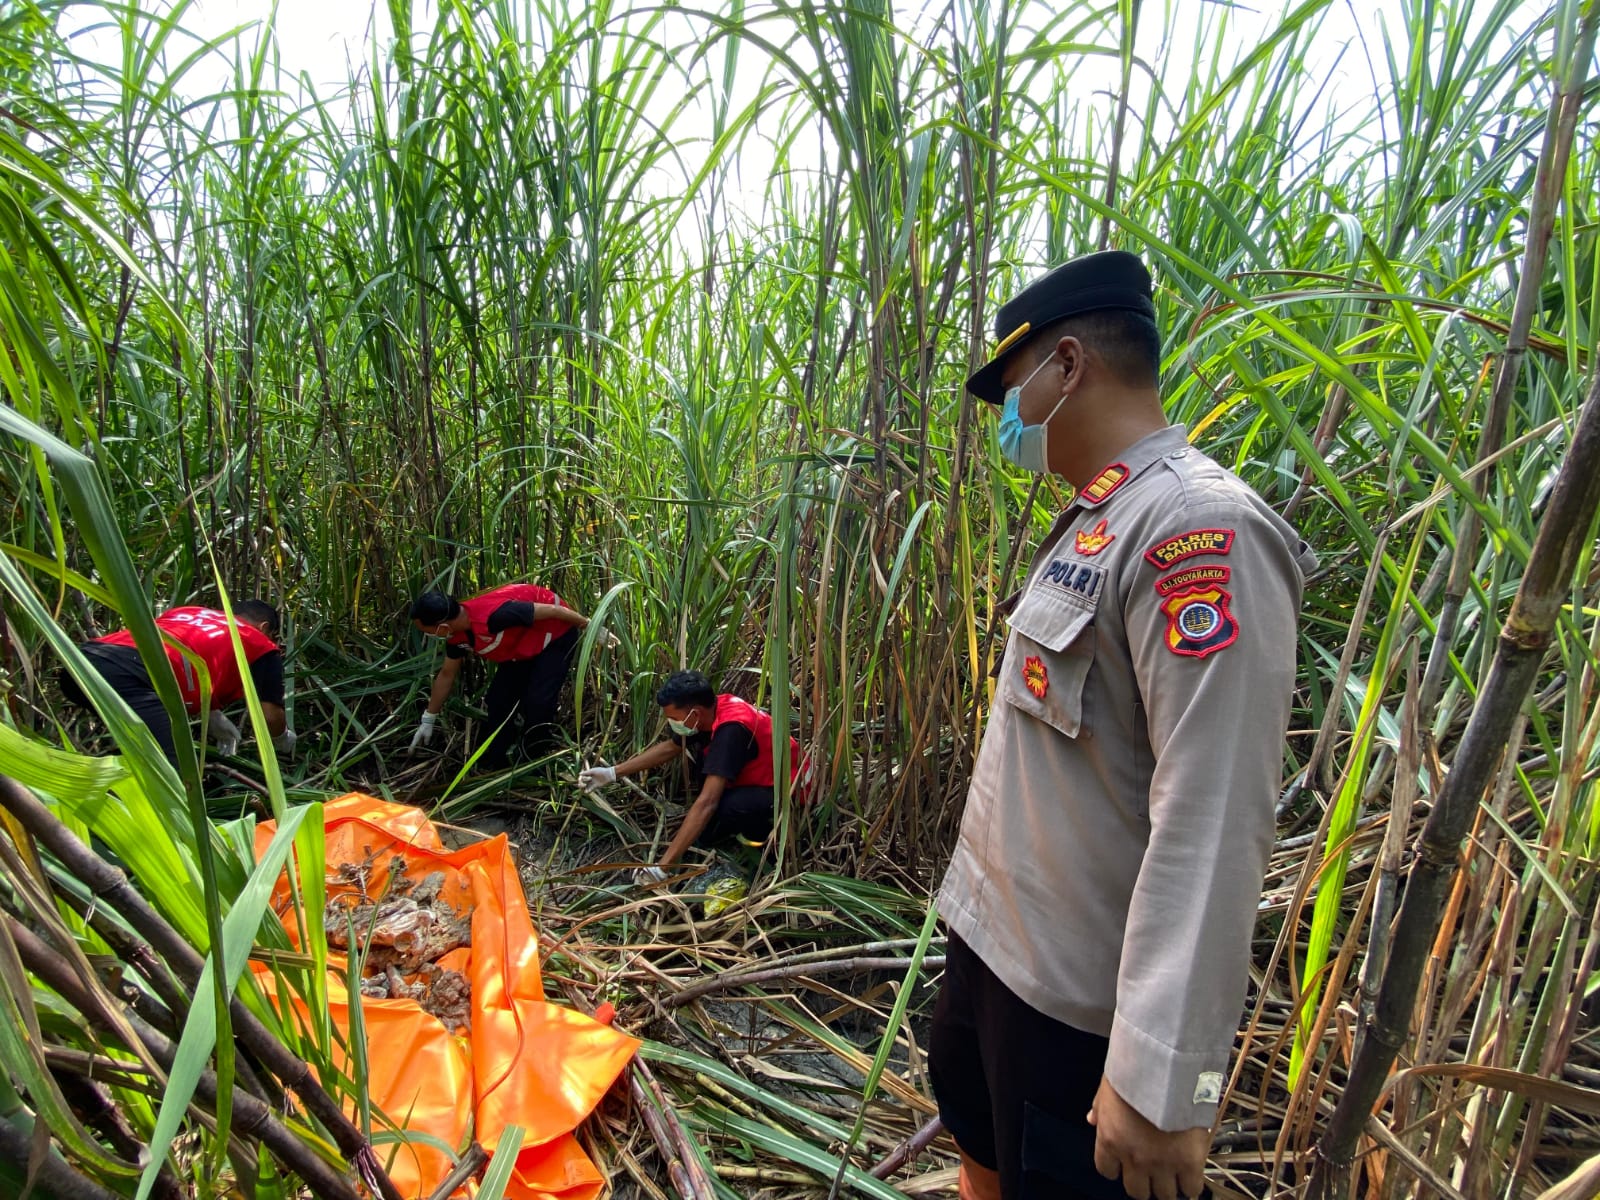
[(207, 635), (528, 634), (728, 743)]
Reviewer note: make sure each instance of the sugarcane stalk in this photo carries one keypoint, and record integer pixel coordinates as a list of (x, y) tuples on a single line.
[(472, 1162), (111, 886), (251, 1117), (55, 1177), (1524, 638), (1549, 177), (1401, 797), (911, 1147), (672, 1140)]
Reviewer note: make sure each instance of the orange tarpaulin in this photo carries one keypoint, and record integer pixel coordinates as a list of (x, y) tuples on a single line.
[(526, 1062)]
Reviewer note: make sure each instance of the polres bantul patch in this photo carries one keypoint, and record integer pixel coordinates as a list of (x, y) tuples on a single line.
[(1186, 545)]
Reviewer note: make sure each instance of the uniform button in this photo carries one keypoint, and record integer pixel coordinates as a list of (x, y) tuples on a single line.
[(1179, 454)]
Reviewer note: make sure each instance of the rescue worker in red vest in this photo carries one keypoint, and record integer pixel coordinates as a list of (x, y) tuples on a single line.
[(528, 634), (207, 634), (729, 746)]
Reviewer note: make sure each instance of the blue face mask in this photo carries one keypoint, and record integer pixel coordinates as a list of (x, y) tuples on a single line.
[(1025, 446)]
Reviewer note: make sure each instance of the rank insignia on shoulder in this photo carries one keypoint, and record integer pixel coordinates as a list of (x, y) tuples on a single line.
[(1092, 541), (1035, 675), (1186, 545), (1191, 577), (1103, 484), (1198, 622)]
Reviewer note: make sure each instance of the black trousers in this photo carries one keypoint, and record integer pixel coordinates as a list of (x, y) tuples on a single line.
[(122, 668), (1015, 1086), (528, 690), (745, 811)]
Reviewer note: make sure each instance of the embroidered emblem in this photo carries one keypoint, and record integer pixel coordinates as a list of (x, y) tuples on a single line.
[(1198, 622), (1208, 1088), (1187, 545), (1103, 484), (1191, 577), (1035, 676), (1092, 541), (1081, 579)]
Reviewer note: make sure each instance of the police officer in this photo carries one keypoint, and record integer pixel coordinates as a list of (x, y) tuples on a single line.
[(728, 742), (208, 636), (1102, 894), (528, 634)]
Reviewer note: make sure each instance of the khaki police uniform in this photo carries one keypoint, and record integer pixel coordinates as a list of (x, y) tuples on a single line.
[(1120, 815)]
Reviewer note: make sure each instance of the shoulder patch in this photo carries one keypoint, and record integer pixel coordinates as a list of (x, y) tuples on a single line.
[(1090, 542), (1199, 623), (1191, 577), (1186, 545), (1103, 484)]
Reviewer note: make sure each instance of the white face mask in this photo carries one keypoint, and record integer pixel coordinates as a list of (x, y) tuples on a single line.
[(681, 728), (1026, 446)]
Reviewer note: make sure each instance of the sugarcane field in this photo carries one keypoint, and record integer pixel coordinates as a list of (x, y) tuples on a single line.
[(799, 599)]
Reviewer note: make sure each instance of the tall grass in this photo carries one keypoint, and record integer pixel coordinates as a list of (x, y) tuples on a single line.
[(506, 307)]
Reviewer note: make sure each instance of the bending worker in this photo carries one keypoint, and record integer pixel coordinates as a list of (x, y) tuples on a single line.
[(528, 634), (207, 635), (1103, 891), (728, 744)]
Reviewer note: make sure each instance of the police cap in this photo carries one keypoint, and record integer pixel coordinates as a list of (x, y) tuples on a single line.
[(1109, 279)]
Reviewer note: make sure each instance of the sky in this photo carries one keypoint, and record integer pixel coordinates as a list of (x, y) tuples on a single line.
[(325, 39)]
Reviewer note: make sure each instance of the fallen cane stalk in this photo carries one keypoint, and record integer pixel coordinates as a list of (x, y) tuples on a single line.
[(908, 1149), (251, 1117), (470, 1165), (55, 1177), (112, 886), (683, 1164), (846, 966)]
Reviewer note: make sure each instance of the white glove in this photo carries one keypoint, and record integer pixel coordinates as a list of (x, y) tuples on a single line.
[(645, 876), (284, 743), (223, 732), (595, 778), (424, 733), (612, 640)]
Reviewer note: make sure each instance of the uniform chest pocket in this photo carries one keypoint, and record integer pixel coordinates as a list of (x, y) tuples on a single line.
[(1049, 659)]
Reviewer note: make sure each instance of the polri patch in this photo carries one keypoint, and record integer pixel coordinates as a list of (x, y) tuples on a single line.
[(1191, 577), (1198, 622), (1079, 579), (1186, 545), (1103, 484), (1035, 675), (1092, 541)]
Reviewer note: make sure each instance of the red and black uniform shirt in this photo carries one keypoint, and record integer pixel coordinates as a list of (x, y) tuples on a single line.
[(725, 752)]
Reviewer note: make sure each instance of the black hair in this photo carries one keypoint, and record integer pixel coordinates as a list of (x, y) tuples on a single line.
[(685, 689), (1127, 342), (434, 607), (258, 612)]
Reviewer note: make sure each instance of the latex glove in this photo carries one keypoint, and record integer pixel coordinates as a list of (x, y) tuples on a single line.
[(645, 876), (612, 640), (284, 743), (224, 733), (424, 733), (595, 778)]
